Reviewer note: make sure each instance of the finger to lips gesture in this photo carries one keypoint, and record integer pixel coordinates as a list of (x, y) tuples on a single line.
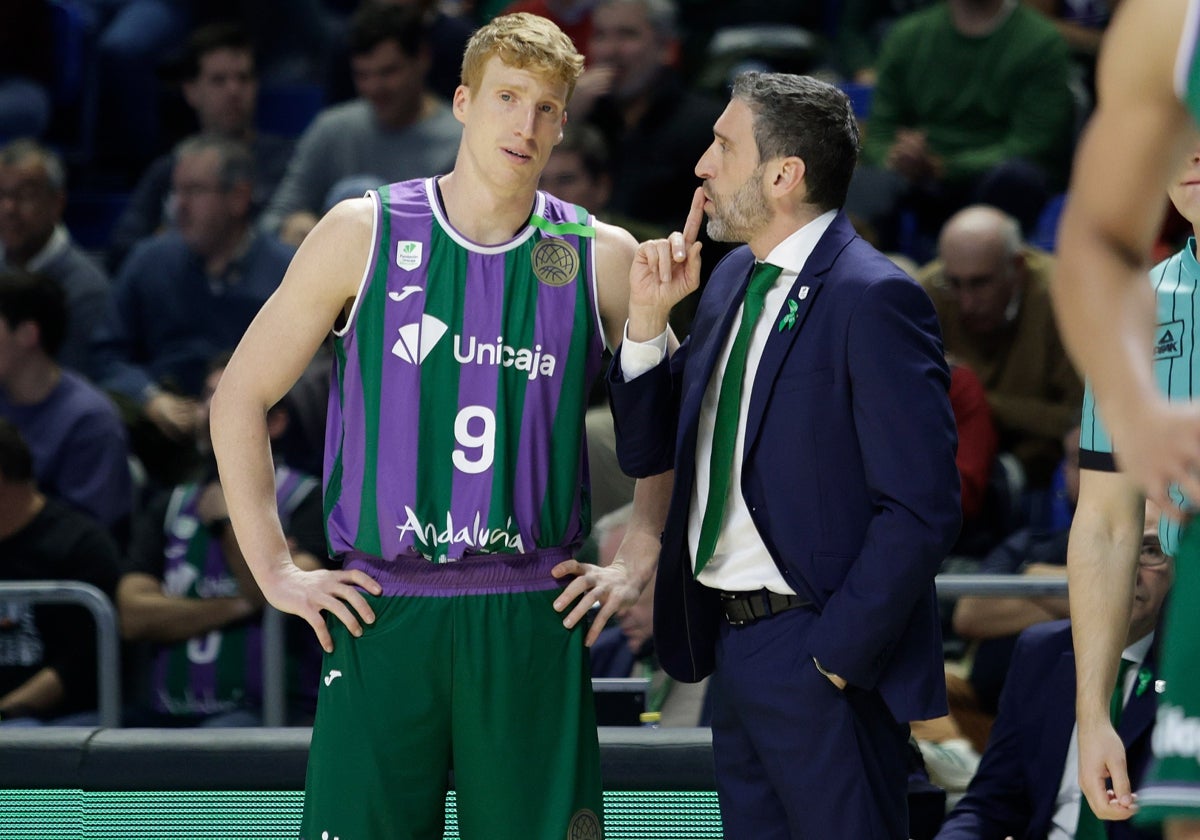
[(665, 271)]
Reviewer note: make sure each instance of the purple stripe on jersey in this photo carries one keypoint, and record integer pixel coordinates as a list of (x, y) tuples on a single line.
[(478, 385), (342, 433), (474, 574), (203, 676), (555, 306), (404, 306)]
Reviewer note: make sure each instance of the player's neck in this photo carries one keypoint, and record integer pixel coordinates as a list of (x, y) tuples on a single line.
[(482, 212)]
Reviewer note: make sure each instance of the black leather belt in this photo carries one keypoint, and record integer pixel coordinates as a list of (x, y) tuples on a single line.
[(743, 608)]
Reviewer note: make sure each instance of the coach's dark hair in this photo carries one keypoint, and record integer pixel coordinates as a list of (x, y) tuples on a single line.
[(32, 297), (209, 39), (804, 117), (376, 23), (16, 461)]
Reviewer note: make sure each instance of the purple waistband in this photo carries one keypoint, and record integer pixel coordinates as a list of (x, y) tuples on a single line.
[(474, 574)]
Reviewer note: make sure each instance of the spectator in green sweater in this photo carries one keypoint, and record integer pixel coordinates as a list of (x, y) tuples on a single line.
[(972, 104)]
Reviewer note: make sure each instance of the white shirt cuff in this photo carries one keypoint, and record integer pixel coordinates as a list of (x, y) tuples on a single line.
[(638, 357)]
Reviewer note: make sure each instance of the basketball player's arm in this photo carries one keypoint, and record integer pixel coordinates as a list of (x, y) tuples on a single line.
[(618, 585), (319, 284), (1134, 143), (1102, 557)]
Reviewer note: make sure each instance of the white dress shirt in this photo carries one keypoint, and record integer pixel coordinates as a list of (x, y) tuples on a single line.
[(740, 561)]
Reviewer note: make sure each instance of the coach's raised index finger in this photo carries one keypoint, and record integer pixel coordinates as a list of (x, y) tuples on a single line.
[(691, 228)]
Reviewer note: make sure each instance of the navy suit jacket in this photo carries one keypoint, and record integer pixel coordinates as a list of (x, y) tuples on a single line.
[(848, 468), (1014, 789)]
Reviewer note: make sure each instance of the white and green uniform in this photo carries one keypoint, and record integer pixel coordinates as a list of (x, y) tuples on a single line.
[(1172, 787)]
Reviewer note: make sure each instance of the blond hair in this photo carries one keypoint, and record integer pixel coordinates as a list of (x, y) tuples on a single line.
[(526, 42)]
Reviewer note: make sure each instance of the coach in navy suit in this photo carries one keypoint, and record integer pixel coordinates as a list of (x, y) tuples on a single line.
[(815, 609), (1027, 784)]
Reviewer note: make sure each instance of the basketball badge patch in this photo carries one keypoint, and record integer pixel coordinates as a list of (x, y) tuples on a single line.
[(555, 263), (585, 825)]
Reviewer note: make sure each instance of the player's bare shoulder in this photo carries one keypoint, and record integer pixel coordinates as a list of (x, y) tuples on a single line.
[(338, 249), (615, 248)]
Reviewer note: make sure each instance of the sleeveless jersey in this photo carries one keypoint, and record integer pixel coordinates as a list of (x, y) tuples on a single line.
[(221, 670), (1187, 62), (456, 416), (1176, 368)]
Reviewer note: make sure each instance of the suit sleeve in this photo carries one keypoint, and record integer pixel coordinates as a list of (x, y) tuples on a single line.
[(996, 803), (906, 435), (646, 414)]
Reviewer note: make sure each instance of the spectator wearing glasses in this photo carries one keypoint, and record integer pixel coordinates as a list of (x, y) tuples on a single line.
[(33, 195), (1026, 784), (220, 85), (185, 295), (991, 292)]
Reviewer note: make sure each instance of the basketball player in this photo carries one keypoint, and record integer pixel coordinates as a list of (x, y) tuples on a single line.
[(1149, 85), (468, 314), (1149, 81)]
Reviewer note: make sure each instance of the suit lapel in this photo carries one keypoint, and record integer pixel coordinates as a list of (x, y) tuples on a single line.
[(1139, 711), (804, 294), (1059, 717)]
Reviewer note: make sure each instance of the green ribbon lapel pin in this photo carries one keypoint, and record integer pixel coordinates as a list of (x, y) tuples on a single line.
[(1143, 681), (789, 319)]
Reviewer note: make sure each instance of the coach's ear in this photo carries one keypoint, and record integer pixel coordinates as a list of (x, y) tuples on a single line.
[(783, 179)]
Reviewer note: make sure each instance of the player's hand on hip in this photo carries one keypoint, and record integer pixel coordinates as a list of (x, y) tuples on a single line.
[(1160, 447), (664, 272), (1101, 759), (310, 593), (611, 586)]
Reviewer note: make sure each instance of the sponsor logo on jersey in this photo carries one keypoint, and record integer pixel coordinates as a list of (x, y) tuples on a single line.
[(534, 362), (1175, 734), (555, 263), (331, 676), (408, 254), (405, 291), (432, 539), (184, 580), (1168, 341), (585, 825), (417, 340)]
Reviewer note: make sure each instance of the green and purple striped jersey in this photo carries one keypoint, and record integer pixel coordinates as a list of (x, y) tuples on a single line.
[(456, 417), (221, 670)]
